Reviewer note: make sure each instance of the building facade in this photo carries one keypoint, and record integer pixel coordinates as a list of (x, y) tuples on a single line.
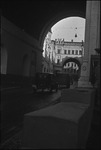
[(58, 50), (65, 50), (47, 63), (20, 53)]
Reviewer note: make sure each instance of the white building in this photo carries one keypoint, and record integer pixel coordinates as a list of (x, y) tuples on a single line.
[(47, 65), (55, 51), (66, 48)]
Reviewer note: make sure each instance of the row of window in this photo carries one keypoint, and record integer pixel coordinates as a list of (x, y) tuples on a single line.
[(75, 52)]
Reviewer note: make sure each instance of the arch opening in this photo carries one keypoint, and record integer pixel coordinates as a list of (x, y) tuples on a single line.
[(49, 46), (57, 18), (73, 60), (72, 66)]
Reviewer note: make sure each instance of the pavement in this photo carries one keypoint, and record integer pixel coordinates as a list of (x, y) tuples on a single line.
[(14, 142), (22, 104)]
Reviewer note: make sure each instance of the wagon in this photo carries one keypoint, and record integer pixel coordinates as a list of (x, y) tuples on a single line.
[(45, 81)]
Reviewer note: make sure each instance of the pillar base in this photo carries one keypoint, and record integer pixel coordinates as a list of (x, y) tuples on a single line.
[(84, 82)]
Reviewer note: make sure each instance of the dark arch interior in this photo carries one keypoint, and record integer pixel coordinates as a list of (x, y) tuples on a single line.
[(32, 16)]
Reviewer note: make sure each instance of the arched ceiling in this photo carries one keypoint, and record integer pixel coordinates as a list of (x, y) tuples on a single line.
[(33, 16)]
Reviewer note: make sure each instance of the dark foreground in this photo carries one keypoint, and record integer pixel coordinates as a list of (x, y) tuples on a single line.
[(12, 124)]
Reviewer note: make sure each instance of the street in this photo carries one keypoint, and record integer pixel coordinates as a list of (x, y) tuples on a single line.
[(15, 104)]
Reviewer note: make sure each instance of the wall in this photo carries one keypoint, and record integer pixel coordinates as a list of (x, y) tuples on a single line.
[(68, 46), (23, 51), (92, 40)]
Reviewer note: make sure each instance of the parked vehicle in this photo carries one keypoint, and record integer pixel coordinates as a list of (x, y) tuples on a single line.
[(63, 80), (45, 81)]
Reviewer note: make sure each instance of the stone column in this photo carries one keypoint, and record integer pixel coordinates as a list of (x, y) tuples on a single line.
[(92, 40)]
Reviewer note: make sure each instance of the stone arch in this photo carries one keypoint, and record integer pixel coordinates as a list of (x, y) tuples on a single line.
[(26, 65), (76, 60), (55, 19), (3, 60)]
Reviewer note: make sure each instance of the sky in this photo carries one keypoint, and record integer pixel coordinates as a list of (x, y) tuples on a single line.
[(68, 27)]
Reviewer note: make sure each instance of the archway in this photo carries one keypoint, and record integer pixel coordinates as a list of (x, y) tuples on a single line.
[(74, 67), (76, 60), (26, 65), (57, 18)]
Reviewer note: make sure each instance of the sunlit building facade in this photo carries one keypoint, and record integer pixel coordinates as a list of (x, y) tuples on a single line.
[(47, 63), (66, 48), (55, 51)]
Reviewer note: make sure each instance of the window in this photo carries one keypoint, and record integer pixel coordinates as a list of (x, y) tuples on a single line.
[(49, 47), (65, 51), (58, 61), (72, 51), (80, 52), (76, 52), (68, 51), (59, 51)]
